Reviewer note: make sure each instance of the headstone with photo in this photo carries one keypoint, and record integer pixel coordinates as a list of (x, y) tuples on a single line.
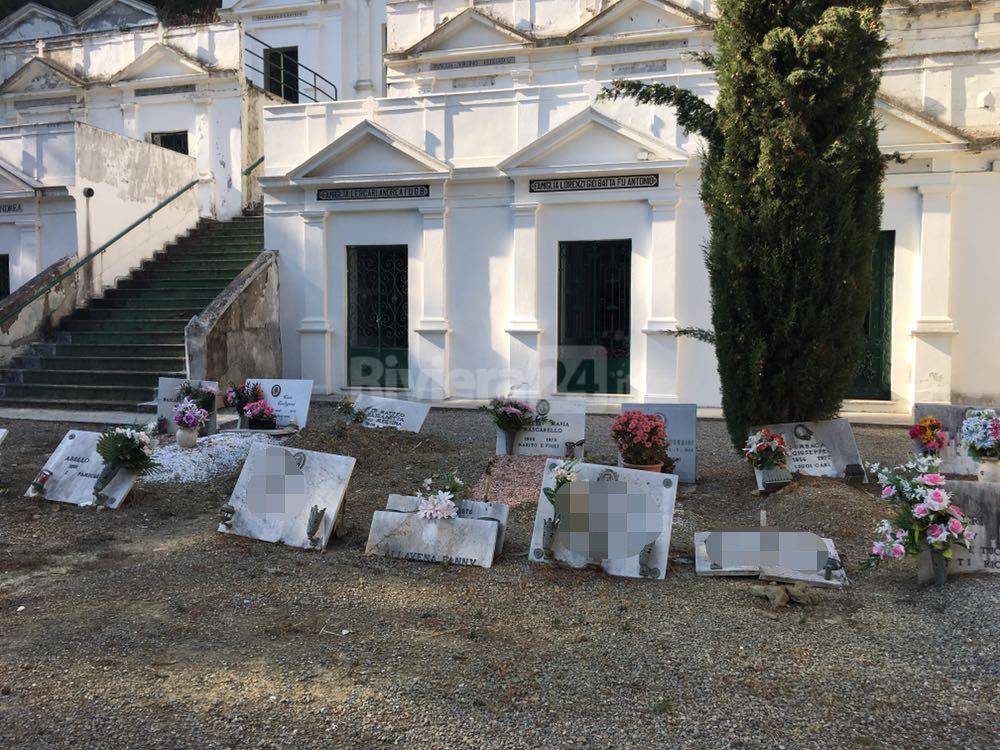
[(681, 422), (288, 495), (618, 519), (72, 471), (821, 449), (289, 398), (561, 435), (771, 554), (955, 459), (476, 509), (980, 501), (167, 398), (407, 416)]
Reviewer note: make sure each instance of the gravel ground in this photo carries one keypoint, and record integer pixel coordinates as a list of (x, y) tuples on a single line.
[(143, 628)]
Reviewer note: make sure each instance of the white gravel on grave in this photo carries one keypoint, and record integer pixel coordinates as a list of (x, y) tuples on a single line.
[(214, 455)]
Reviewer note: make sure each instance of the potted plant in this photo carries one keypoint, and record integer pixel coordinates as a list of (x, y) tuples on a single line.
[(929, 435), (123, 449), (924, 519), (241, 394), (511, 416), (642, 441), (189, 418), (765, 450), (260, 415), (981, 435), (205, 398)]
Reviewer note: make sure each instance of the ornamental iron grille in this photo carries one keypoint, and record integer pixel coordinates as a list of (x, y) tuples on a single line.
[(594, 301), (872, 380), (377, 321)]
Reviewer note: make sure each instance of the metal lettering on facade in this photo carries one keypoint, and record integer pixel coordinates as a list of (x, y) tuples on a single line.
[(481, 63), (10, 208), (568, 184), (373, 193)]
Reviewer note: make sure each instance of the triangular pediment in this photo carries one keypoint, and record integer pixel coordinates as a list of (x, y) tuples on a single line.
[(591, 139), (34, 21), (470, 29), (14, 182), (640, 16), (116, 14), (367, 151), (160, 62), (39, 75), (903, 128)]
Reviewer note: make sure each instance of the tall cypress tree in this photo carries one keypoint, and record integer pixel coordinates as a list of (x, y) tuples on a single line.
[(791, 182)]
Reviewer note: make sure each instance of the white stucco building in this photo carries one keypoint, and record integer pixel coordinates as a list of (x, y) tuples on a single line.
[(197, 90), (491, 224)]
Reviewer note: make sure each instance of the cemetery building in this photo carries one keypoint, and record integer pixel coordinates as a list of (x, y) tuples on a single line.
[(491, 224), (197, 90)]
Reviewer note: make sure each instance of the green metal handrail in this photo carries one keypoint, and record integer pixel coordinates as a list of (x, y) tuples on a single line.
[(90, 256), (253, 166)]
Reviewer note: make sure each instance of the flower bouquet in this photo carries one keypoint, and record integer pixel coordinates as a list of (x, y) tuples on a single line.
[(240, 394), (765, 450), (189, 418), (930, 435), (642, 441), (123, 449), (260, 415), (923, 520), (204, 396), (511, 416), (981, 435)]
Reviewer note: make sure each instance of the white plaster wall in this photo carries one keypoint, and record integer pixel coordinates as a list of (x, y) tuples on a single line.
[(42, 232)]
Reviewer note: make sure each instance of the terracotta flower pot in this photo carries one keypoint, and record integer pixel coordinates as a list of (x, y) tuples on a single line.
[(645, 467)]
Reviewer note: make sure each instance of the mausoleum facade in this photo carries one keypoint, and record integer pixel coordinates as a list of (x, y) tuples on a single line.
[(493, 224)]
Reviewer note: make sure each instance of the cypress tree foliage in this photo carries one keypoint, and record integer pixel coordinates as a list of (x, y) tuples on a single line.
[(791, 182)]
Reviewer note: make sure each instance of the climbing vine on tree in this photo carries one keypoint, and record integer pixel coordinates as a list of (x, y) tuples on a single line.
[(791, 182)]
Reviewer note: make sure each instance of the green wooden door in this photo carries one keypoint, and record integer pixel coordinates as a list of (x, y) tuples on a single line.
[(377, 325), (594, 299), (872, 380)]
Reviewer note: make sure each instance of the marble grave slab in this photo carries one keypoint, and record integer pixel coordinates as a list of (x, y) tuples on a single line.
[(478, 509), (288, 495), (561, 436), (407, 416), (289, 398), (456, 541), (76, 465), (768, 553), (617, 519), (980, 501), (821, 449), (681, 421)]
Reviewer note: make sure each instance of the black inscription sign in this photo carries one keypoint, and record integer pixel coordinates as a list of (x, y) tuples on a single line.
[(373, 193), (10, 208), (569, 184), (481, 63)]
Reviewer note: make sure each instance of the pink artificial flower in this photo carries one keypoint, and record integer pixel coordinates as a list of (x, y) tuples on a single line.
[(937, 499), (900, 534), (969, 534), (956, 527), (879, 549), (920, 510), (936, 532), (932, 480), (888, 491), (956, 511), (898, 550)]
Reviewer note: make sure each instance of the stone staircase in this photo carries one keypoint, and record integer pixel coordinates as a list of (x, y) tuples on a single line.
[(110, 354)]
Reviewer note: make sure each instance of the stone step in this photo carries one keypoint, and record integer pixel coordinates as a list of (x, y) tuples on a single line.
[(216, 266), (126, 351), (120, 364), (141, 302), (104, 393), (65, 404), (210, 252), (158, 284), (120, 338), (193, 277), (124, 378), (125, 325), (180, 314)]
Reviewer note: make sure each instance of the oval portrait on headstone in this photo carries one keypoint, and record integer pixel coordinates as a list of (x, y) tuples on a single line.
[(275, 390)]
